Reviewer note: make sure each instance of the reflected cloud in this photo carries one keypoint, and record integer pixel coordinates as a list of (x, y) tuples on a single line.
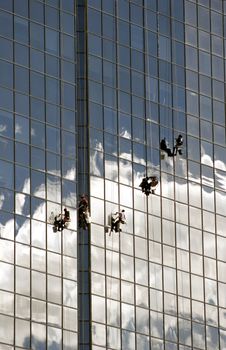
[(206, 159), (40, 191), (138, 159), (33, 133), (3, 128), (23, 230), (220, 179), (7, 229), (22, 202), (111, 168), (54, 188), (26, 186), (96, 163), (70, 174), (70, 293), (125, 133), (18, 129), (2, 198), (207, 181), (54, 344), (220, 165)]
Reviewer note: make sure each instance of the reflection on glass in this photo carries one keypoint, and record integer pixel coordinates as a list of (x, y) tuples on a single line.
[(182, 260), (22, 255), (96, 163), (69, 243), (212, 336), (38, 184), (97, 259), (53, 188), (6, 149), (38, 285), (22, 229), (140, 224), (171, 331), (69, 293), (112, 263), (22, 333), (68, 169), (184, 307), (6, 124), (113, 338), (6, 199), (6, 273), (22, 129), (54, 315), (22, 153), (98, 332), (128, 321), (69, 193), (6, 329), (38, 310), (156, 324), (185, 332), (183, 284), (113, 288), (211, 315), (6, 174), (141, 271), (169, 279), (54, 338), (127, 268), (22, 308), (98, 284), (6, 303), (38, 259), (53, 240), (38, 233), (37, 158), (97, 214), (126, 244), (197, 287), (38, 334), (128, 340), (113, 313), (198, 333), (112, 243), (169, 256), (70, 339), (211, 291), (142, 320), (22, 204)]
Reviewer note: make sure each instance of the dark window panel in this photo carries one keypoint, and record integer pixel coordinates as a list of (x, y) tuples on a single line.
[(6, 25), (22, 154)]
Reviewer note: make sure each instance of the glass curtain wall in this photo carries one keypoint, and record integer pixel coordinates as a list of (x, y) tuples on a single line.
[(156, 70), (38, 267)]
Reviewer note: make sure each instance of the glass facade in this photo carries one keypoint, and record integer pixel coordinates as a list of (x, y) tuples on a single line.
[(88, 89), (156, 69), (38, 166)]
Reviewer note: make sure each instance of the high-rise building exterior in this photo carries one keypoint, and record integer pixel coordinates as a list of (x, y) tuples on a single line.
[(38, 151), (88, 90)]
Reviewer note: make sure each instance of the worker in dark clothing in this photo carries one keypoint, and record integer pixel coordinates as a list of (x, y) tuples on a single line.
[(149, 184), (117, 219), (178, 145), (164, 147), (83, 212), (154, 182), (58, 223), (145, 185), (66, 215)]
